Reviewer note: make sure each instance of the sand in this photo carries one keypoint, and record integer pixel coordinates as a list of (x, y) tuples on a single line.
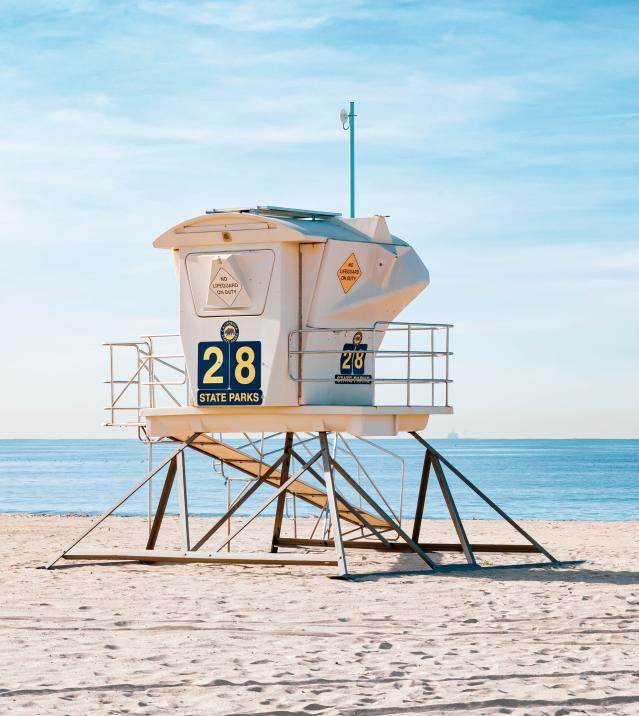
[(200, 639)]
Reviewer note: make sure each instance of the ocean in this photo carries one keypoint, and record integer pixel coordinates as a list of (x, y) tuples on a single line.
[(530, 479)]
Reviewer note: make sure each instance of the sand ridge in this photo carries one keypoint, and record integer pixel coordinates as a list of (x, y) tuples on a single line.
[(201, 639)]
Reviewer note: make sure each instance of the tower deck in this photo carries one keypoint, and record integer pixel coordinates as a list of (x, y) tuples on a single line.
[(180, 422)]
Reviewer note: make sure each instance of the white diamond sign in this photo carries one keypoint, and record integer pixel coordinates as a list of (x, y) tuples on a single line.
[(225, 286)]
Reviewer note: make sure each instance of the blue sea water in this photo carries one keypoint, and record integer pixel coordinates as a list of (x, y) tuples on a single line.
[(530, 479)]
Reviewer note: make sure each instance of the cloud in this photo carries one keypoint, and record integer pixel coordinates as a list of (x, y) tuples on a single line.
[(501, 137), (251, 15)]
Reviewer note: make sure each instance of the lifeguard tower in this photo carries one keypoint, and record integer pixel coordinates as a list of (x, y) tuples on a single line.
[(288, 330)]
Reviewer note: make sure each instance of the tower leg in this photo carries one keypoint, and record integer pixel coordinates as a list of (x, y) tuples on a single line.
[(162, 503), (123, 499), (441, 459), (452, 511), (332, 506), (281, 500), (421, 498), (184, 505), (387, 518)]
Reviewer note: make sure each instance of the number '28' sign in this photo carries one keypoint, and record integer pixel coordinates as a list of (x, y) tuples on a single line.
[(229, 371), (352, 362)]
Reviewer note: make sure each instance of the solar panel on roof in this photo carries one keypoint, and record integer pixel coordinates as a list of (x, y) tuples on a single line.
[(237, 210), (281, 211), (296, 213)]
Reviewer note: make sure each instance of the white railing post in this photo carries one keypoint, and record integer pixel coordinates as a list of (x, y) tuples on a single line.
[(447, 356), (111, 382), (432, 366), (408, 346)]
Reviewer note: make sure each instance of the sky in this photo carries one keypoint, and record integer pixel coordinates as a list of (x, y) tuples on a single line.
[(501, 138)]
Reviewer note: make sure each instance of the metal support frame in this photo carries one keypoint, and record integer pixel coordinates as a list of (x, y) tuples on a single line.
[(184, 506), (241, 499), (404, 547), (281, 500), (436, 459), (413, 545), (452, 511), (176, 468), (334, 505), (327, 465), (280, 491), (421, 498), (347, 505), (162, 503), (121, 501)]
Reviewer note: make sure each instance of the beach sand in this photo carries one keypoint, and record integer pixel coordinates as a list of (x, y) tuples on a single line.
[(201, 639)]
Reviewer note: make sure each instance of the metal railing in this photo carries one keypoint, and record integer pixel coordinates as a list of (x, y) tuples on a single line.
[(434, 353), (151, 374), (156, 376)]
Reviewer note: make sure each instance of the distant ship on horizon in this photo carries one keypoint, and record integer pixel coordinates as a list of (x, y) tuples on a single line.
[(453, 435)]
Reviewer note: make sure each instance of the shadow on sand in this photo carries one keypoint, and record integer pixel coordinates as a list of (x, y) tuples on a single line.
[(408, 565), (568, 571)]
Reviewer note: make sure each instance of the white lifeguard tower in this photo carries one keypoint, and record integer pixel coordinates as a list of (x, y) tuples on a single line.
[(287, 329)]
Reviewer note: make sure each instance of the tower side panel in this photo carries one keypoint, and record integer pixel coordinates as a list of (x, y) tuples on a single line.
[(237, 307), (350, 287)]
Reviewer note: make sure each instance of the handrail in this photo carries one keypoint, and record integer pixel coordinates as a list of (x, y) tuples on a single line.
[(434, 359), (145, 380)]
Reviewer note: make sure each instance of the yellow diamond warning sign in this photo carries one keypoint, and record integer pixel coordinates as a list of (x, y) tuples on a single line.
[(349, 273), (225, 287)]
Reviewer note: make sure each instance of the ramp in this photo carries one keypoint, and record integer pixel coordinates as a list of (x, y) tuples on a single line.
[(255, 468)]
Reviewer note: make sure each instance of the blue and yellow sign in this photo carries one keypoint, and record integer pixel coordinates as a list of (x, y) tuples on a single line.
[(352, 362), (229, 371)]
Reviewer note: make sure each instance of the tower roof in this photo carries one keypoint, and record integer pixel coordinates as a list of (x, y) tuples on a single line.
[(296, 225)]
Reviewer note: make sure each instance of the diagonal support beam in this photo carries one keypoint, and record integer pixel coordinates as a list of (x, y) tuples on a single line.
[(319, 519), (281, 489), (484, 497), (122, 500), (413, 545), (162, 503), (421, 498), (281, 500), (452, 511), (358, 513), (237, 504)]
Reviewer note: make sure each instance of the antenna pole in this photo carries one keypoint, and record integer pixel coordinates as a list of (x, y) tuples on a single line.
[(351, 126)]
